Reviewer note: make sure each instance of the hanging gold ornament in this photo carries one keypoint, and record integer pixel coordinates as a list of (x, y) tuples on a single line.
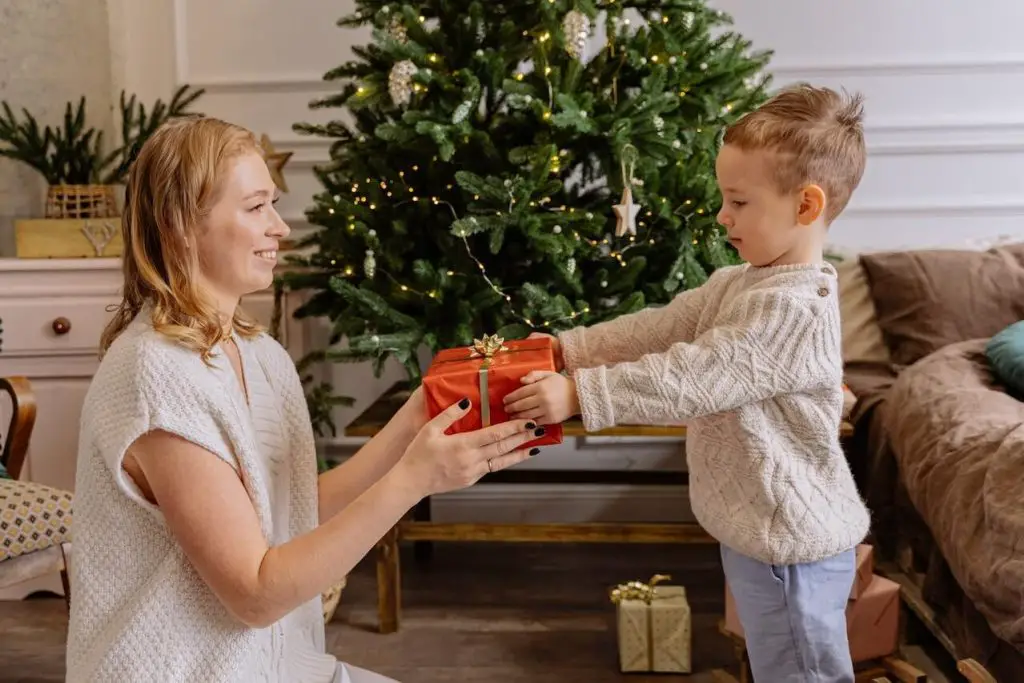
[(400, 82), (576, 27), (625, 214), (626, 211)]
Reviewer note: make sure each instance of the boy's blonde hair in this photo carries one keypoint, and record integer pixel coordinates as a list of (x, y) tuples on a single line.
[(815, 135)]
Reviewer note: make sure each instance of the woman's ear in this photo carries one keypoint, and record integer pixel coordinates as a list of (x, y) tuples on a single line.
[(812, 205)]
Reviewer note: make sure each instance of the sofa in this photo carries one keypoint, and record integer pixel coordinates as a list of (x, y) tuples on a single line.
[(938, 442)]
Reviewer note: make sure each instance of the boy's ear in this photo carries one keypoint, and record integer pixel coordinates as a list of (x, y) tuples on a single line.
[(812, 204)]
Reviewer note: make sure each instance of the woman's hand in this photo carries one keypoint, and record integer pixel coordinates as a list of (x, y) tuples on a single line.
[(340, 485), (436, 462), (412, 416)]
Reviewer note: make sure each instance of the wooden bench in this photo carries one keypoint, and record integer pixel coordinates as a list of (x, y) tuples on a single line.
[(419, 528)]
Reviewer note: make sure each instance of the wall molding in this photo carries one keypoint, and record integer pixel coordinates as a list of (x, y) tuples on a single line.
[(910, 65), (261, 84), (892, 138), (313, 82), (1010, 206)]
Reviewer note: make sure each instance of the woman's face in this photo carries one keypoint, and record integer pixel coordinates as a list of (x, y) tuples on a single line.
[(237, 243)]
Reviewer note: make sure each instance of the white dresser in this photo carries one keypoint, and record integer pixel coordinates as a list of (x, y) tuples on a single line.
[(52, 313)]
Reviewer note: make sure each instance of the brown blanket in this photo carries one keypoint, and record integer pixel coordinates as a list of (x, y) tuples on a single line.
[(958, 439)]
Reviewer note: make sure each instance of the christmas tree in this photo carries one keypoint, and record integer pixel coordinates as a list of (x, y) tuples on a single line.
[(519, 166)]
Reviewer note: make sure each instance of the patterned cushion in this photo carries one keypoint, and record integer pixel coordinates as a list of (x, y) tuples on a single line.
[(32, 517)]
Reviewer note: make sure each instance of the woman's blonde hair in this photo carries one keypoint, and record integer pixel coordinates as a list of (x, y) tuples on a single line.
[(172, 185)]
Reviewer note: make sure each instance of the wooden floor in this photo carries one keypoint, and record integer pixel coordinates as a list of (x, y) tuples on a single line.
[(483, 612)]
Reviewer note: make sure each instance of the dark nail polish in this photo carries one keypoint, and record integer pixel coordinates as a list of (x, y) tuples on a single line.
[(464, 403), (534, 451), (531, 425), (540, 431)]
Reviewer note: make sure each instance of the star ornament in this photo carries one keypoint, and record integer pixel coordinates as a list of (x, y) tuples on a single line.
[(626, 212), (275, 162)]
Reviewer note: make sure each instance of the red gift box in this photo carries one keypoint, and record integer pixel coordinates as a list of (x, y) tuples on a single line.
[(872, 621), (486, 373)]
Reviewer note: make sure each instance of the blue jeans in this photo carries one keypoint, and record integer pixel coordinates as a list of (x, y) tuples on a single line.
[(794, 617)]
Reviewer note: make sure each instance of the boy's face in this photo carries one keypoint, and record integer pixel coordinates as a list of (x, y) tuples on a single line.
[(765, 227)]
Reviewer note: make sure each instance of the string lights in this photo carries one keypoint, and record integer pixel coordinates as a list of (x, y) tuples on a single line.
[(403, 186)]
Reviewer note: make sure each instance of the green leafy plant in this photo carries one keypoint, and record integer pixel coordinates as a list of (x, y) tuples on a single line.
[(74, 154)]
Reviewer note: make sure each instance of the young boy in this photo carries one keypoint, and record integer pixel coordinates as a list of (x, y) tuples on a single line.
[(751, 362)]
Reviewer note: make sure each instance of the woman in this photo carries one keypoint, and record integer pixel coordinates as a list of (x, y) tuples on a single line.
[(203, 534)]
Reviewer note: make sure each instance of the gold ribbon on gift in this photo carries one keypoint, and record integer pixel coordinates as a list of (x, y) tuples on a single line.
[(486, 348), (638, 590)]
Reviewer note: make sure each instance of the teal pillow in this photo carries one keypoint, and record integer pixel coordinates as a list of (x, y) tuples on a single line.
[(1005, 353)]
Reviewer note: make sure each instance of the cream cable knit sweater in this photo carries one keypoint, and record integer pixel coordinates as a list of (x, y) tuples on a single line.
[(139, 611), (751, 361)]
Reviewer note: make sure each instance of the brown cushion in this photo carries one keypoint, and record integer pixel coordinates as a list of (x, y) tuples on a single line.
[(928, 299)]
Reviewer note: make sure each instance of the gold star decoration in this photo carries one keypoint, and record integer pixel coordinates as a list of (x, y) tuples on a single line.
[(275, 162), (626, 212)]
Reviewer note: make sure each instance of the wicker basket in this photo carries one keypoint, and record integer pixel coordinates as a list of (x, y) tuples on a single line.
[(81, 201), (331, 599)]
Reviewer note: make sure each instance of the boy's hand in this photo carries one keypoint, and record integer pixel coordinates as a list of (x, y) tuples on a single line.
[(556, 345), (548, 398)]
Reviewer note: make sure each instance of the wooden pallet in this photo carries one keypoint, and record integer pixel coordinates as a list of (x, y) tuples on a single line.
[(892, 669)]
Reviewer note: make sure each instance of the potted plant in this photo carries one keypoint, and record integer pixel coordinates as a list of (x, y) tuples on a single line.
[(80, 170)]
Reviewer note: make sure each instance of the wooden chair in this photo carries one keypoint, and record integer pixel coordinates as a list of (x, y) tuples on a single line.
[(35, 520)]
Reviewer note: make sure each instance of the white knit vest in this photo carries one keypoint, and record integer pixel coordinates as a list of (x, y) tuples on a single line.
[(139, 611)]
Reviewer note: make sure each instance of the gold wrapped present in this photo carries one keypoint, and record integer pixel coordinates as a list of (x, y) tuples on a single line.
[(653, 625)]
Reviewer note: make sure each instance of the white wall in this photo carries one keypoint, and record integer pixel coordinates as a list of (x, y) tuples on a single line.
[(944, 163), (944, 110), (51, 53)]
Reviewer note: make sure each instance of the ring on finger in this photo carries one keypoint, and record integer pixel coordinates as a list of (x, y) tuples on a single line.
[(490, 466)]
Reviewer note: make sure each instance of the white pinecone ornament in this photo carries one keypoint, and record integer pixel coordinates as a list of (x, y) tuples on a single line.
[(400, 82), (370, 264), (576, 27)]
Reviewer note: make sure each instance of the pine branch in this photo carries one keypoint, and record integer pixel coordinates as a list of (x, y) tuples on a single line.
[(486, 200)]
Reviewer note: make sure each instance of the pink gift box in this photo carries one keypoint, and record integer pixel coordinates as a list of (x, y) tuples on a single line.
[(865, 570)]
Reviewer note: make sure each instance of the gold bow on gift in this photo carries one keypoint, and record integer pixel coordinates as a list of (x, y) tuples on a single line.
[(488, 346), (637, 590)]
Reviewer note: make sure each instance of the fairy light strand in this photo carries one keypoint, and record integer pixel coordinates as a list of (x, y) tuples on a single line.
[(403, 184)]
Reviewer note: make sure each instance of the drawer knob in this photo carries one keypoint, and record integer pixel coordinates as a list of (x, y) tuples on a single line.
[(62, 325)]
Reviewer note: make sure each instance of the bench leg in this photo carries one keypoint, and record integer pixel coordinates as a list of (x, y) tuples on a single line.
[(422, 550), (389, 582)]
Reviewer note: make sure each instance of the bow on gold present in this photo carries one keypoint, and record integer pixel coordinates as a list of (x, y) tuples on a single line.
[(637, 590), (643, 646)]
